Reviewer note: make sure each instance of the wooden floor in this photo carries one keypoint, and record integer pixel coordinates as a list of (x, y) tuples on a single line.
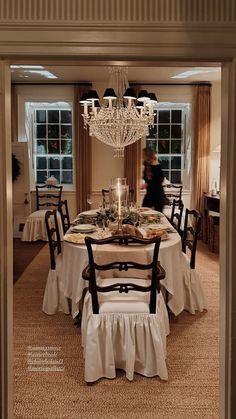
[(23, 254)]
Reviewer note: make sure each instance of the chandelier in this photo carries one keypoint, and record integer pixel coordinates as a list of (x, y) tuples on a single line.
[(122, 119)]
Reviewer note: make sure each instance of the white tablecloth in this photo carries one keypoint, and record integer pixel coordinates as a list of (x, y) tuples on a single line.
[(75, 259)]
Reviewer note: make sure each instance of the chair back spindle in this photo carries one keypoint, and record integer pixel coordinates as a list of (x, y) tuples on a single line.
[(191, 233), (65, 217), (48, 196), (176, 214), (54, 239)]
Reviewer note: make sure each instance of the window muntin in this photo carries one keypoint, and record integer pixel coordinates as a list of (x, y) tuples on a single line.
[(53, 148), (169, 137)]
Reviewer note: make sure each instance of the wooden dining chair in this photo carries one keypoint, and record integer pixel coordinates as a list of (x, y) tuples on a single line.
[(176, 215), (173, 191), (65, 217), (54, 299), (47, 197), (120, 310), (192, 228), (194, 296)]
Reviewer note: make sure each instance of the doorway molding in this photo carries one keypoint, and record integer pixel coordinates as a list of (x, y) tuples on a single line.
[(176, 36)]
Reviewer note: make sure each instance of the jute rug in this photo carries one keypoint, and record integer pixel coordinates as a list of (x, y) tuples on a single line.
[(192, 389)]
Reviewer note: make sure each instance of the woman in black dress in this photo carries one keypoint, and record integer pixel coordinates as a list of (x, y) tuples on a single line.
[(153, 176)]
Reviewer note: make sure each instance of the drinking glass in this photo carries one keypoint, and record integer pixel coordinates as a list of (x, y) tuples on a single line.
[(89, 199)]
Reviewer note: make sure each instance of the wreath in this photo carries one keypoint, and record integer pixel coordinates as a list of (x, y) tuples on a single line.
[(15, 167)]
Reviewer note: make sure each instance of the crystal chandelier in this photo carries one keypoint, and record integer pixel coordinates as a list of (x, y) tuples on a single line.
[(123, 118)]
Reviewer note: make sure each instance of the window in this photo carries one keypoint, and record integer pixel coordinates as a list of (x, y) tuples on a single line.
[(52, 142), (169, 137)]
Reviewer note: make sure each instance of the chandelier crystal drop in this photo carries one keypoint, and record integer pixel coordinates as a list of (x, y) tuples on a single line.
[(122, 119)]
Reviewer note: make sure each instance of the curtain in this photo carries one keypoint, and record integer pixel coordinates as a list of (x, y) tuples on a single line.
[(132, 162), (202, 98), (132, 167), (14, 114), (83, 155)]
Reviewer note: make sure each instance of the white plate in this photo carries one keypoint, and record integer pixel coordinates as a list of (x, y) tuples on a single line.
[(145, 211), (92, 212), (158, 227), (84, 228)]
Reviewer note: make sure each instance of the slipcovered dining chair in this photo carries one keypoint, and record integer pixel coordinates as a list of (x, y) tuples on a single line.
[(65, 217), (47, 197), (54, 299), (124, 320), (194, 298)]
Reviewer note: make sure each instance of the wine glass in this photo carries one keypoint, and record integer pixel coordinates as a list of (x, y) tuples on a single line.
[(89, 199)]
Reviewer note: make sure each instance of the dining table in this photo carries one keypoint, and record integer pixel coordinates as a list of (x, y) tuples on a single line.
[(75, 259)]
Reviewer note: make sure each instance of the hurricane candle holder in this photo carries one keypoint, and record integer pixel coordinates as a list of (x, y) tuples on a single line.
[(118, 196)]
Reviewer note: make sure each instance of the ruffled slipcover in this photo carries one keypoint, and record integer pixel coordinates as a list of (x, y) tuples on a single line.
[(132, 341), (194, 298), (35, 228), (54, 299)]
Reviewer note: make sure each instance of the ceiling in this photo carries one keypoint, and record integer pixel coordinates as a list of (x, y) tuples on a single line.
[(69, 74)]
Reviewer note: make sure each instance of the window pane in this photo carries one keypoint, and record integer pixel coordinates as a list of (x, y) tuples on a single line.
[(41, 147), (176, 131), (67, 163), (41, 116), (53, 116), (166, 174), (176, 176), (152, 144), (165, 162), (155, 116), (54, 163), (164, 116), (163, 146), (41, 163), (66, 176), (175, 162), (41, 131), (66, 117), (53, 131), (55, 173), (66, 131), (176, 147), (41, 176), (66, 147), (164, 131), (152, 131), (176, 116), (53, 147)]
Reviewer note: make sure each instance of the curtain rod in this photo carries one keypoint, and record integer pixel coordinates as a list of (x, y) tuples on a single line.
[(171, 84)]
